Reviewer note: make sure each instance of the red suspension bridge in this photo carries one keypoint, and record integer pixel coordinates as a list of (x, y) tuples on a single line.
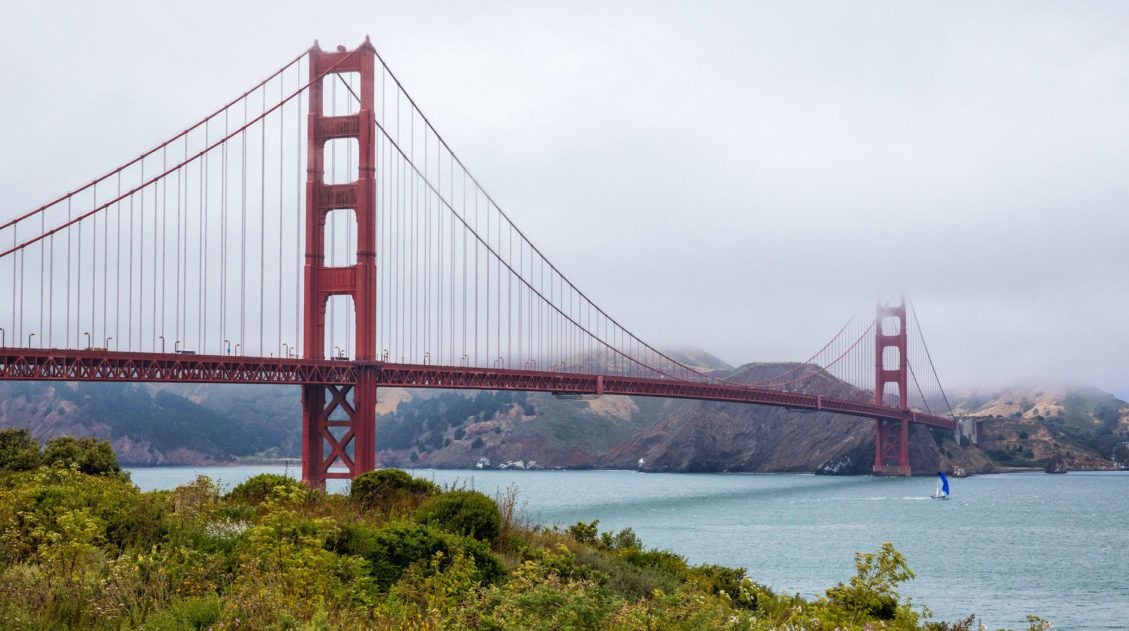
[(318, 231)]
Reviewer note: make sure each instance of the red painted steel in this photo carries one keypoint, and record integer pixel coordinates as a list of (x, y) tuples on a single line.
[(323, 452), (891, 438), (33, 364), (59, 365), (339, 396)]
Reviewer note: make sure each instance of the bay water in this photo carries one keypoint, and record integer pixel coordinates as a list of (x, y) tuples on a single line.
[(1001, 547)]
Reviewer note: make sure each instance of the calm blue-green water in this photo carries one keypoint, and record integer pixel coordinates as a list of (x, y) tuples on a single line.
[(1002, 547)]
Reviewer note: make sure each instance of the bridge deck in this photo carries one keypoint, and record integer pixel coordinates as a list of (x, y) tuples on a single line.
[(69, 365)]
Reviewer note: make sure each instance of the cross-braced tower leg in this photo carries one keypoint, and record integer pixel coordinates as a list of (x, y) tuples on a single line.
[(891, 437), (339, 420)]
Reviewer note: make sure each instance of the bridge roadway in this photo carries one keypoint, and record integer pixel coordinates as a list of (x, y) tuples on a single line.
[(33, 364)]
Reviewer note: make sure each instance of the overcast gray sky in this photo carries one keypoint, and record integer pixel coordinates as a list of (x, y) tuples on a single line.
[(739, 177)]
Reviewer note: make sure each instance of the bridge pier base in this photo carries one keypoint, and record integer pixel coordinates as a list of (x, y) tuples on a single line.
[(339, 430), (891, 447)]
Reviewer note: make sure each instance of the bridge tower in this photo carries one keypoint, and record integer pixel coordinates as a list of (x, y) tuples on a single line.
[(339, 420), (891, 438)]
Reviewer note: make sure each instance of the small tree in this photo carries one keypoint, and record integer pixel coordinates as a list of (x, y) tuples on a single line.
[(93, 456), (871, 591), (18, 450)]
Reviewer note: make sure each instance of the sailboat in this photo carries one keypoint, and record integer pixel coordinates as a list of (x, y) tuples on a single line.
[(942, 487)]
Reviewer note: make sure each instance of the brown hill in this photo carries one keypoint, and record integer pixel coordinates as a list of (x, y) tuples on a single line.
[(1027, 427)]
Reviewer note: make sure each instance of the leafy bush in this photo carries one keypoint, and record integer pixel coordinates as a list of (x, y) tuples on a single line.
[(254, 490), (871, 591), (718, 579), (463, 512), (389, 488), (91, 455), (397, 546), (83, 551), (585, 533), (186, 615), (18, 450), (661, 560), (622, 540)]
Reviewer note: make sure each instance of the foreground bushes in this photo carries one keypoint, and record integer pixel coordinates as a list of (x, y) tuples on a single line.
[(390, 490), (83, 551), (467, 513)]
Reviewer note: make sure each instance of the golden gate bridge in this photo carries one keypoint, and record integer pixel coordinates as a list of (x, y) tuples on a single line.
[(317, 230)]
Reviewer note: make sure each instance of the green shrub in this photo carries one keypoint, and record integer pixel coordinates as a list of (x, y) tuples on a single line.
[(18, 450), (389, 488), (660, 560), (141, 524), (718, 579), (254, 490), (612, 571), (463, 512), (395, 547), (871, 591), (621, 540), (186, 615), (92, 455), (585, 533)]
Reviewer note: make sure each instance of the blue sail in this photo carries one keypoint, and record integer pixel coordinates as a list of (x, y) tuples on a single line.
[(944, 483)]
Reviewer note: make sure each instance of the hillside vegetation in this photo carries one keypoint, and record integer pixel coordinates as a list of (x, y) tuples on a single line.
[(209, 424), (82, 548), (1027, 427)]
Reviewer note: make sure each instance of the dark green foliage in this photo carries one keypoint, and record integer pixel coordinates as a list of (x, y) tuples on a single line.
[(585, 533), (395, 547), (389, 488), (621, 577), (186, 615), (91, 455), (622, 540), (86, 551), (18, 450), (141, 524), (660, 560), (477, 443), (255, 489), (463, 512), (718, 579), (427, 419), (871, 592), (232, 421)]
